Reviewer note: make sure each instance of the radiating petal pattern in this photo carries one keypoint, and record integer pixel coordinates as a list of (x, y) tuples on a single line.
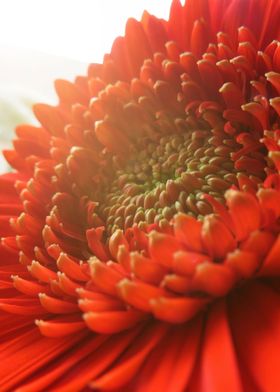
[(140, 230)]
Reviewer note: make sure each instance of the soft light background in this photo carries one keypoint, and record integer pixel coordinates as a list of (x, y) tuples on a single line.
[(41, 40)]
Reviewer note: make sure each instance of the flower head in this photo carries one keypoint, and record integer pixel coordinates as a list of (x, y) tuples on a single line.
[(143, 234)]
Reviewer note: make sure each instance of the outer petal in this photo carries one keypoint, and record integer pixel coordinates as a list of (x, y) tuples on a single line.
[(255, 321), (219, 363)]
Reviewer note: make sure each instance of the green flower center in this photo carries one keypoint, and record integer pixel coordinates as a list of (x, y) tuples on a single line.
[(167, 175)]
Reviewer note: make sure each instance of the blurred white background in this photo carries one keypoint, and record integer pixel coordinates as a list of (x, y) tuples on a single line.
[(42, 40)]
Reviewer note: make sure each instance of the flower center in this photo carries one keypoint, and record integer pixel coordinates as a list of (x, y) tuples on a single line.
[(167, 175)]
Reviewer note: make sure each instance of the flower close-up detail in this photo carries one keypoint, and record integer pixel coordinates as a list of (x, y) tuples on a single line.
[(140, 227)]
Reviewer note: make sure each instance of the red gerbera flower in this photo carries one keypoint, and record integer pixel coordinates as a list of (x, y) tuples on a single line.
[(143, 234)]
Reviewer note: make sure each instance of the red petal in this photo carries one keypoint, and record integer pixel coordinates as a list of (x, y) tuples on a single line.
[(50, 118), (276, 58), (58, 306), (69, 93), (274, 79), (104, 276), (116, 240), (40, 272), (87, 305), (199, 37), (275, 103), (137, 44), (242, 262), (270, 203), (94, 364), (71, 268), (56, 329), (56, 370), (176, 310), (95, 244), (139, 294), (30, 352), (132, 360), (188, 230), (185, 263), (146, 269), (27, 287), (245, 212), (111, 137), (216, 237), (185, 359), (214, 279), (162, 247), (232, 95), (219, 363), (271, 264), (113, 322), (255, 320)]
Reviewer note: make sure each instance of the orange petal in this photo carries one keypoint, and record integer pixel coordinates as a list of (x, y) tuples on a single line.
[(71, 268), (162, 247), (130, 364), (139, 294), (27, 287), (146, 269), (245, 212), (55, 329), (243, 262), (55, 305), (218, 347), (214, 279), (104, 276), (274, 79), (185, 263), (188, 230), (113, 322), (232, 95), (87, 305), (176, 310), (40, 272), (271, 264), (216, 237), (254, 317)]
